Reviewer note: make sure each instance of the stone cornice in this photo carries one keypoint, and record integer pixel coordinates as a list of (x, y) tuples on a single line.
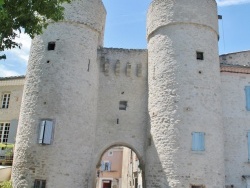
[(12, 81)]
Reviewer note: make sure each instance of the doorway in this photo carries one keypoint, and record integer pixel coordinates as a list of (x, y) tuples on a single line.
[(106, 183)]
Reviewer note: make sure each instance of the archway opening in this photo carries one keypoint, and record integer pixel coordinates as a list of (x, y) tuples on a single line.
[(119, 167)]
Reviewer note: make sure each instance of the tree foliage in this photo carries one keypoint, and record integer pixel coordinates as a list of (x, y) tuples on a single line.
[(31, 15)]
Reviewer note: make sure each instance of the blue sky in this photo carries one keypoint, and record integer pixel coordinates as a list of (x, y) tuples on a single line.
[(126, 28)]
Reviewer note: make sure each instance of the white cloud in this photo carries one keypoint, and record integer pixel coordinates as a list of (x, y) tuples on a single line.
[(5, 72), (231, 2), (23, 53)]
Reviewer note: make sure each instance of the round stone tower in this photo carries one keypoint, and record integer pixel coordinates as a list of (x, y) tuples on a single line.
[(184, 95), (54, 144)]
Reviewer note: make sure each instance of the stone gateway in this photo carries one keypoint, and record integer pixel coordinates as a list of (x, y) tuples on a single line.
[(184, 114)]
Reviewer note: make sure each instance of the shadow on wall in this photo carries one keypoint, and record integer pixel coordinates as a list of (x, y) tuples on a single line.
[(155, 176)]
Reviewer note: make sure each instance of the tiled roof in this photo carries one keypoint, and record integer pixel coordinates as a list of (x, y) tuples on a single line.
[(234, 68)]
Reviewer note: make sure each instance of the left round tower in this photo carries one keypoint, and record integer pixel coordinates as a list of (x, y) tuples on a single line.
[(54, 144)]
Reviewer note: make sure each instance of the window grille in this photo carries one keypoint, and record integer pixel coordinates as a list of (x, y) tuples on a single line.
[(5, 100), (4, 132), (40, 183)]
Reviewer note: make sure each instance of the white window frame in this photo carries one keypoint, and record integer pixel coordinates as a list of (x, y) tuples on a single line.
[(4, 131), (5, 100)]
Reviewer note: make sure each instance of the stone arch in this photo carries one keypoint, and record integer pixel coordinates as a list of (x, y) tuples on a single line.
[(139, 155)]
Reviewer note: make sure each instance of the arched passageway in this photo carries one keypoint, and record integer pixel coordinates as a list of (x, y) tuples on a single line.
[(119, 167)]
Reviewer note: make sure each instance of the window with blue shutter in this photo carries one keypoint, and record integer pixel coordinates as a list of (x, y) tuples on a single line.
[(247, 89), (45, 132), (198, 141), (248, 145)]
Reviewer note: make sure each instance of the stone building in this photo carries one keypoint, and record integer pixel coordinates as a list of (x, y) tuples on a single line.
[(183, 110)]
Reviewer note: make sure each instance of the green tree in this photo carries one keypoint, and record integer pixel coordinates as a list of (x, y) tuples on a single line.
[(31, 15)]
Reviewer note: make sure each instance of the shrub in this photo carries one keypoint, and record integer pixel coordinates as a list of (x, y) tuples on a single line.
[(6, 184)]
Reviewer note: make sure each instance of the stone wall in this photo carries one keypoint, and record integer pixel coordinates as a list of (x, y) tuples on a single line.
[(123, 77), (236, 126)]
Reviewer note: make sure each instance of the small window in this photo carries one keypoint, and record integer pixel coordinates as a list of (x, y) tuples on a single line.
[(110, 153), (198, 141), (200, 55), (45, 132), (247, 89), (51, 46), (123, 105), (5, 100), (40, 183)]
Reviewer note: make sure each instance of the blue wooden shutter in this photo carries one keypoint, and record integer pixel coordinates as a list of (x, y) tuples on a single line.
[(102, 166), (12, 131), (247, 89), (194, 141), (202, 141), (47, 137), (248, 144), (41, 132), (198, 141)]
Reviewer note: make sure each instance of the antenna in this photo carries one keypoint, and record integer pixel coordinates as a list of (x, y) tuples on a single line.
[(223, 35)]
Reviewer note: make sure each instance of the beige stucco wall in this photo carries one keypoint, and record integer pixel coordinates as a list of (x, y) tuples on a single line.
[(14, 86)]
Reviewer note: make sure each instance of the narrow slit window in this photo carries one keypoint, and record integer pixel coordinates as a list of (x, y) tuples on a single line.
[(123, 105), (45, 132), (51, 46), (200, 55), (40, 183), (197, 186), (248, 145)]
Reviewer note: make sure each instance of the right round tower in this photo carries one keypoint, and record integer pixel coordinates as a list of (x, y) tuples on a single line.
[(187, 147)]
